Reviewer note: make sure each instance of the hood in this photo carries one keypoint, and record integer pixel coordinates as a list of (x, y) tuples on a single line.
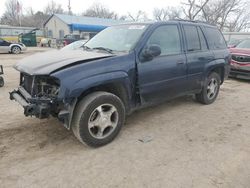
[(240, 51), (47, 62)]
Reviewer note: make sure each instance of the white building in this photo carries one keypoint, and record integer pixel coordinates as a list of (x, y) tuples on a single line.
[(59, 25)]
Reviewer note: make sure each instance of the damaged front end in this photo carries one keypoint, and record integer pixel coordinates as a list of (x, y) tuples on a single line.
[(38, 95)]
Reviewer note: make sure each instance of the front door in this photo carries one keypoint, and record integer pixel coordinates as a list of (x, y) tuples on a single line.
[(4, 46), (164, 76)]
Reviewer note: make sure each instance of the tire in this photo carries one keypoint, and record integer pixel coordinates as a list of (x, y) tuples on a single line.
[(98, 118), (210, 89), (16, 50), (1, 81)]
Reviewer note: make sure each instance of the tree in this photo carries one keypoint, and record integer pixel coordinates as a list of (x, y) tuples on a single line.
[(228, 15), (12, 15), (169, 13), (138, 16), (32, 19), (192, 8), (100, 11), (53, 8)]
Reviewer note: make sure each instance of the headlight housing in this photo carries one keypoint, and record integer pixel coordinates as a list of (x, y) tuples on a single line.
[(40, 86)]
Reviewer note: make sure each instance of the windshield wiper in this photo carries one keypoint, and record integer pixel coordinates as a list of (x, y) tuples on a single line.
[(85, 47), (104, 49)]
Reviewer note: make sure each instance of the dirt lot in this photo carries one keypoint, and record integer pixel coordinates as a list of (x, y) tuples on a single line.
[(192, 145)]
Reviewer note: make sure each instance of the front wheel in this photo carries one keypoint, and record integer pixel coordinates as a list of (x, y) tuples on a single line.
[(98, 118), (210, 89), (16, 50)]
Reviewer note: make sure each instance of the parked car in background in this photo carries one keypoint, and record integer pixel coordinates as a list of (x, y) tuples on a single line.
[(75, 45), (70, 38), (9, 47), (240, 63), (122, 69), (233, 43)]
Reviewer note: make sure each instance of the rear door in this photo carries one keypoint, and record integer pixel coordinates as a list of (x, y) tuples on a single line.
[(198, 55), (164, 76)]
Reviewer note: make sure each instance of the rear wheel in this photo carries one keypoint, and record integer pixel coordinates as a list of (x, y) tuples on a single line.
[(1, 81), (16, 50), (210, 89), (98, 118)]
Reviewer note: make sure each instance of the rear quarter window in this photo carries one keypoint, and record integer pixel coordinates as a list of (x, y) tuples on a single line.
[(215, 39)]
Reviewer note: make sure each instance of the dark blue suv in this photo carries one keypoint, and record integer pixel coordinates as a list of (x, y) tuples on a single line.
[(121, 69)]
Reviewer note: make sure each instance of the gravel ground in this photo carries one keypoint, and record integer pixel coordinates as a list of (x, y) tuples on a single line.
[(189, 144)]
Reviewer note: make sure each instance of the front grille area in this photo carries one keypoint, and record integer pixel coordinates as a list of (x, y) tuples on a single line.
[(241, 58)]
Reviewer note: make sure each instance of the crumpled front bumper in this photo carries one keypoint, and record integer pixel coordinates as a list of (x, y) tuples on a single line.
[(43, 107), (32, 106)]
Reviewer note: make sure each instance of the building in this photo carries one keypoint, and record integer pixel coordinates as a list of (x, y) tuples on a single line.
[(236, 35), (11, 33), (59, 25)]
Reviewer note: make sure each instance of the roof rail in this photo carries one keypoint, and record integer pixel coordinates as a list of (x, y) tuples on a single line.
[(193, 21)]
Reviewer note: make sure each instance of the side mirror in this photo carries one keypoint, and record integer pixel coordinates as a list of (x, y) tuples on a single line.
[(150, 52)]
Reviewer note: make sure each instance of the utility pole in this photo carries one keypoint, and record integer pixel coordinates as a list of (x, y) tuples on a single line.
[(69, 7)]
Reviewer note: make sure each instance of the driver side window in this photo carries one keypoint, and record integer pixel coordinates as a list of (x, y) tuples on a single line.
[(167, 38)]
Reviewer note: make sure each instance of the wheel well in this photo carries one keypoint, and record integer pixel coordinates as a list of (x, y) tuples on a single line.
[(114, 88), (220, 71), (15, 46)]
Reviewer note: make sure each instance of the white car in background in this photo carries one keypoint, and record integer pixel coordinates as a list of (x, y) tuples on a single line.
[(9, 47)]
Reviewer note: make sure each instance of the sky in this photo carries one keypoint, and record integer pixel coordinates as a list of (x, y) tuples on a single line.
[(119, 6)]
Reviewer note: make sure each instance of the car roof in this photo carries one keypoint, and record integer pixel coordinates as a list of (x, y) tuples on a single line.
[(169, 22)]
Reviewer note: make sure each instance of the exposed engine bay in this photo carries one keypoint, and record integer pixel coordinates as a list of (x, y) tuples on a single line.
[(40, 86)]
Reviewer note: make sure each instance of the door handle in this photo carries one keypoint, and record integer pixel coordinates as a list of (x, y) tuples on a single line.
[(180, 62)]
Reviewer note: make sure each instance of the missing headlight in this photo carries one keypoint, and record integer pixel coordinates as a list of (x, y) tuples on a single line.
[(41, 86)]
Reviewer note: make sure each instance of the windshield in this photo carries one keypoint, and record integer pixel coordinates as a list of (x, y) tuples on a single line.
[(117, 38), (244, 44)]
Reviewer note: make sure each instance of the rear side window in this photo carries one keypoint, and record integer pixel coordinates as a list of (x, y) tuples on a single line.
[(202, 39), (215, 39), (192, 38)]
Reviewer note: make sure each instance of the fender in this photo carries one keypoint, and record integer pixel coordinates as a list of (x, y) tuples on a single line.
[(70, 96), (84, 84), (218, 63), (11, 45)]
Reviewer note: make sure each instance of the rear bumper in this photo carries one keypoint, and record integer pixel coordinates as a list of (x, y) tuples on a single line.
[(23, 48)]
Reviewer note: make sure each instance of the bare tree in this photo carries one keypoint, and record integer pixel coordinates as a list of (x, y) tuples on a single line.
[(169, 13), (100, 11), (12, 15), (192, 8), (34, 19), (53, 8), (228, 15), (231, 15), (138, 16)]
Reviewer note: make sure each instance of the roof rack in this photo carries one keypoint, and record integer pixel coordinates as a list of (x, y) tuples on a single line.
[(192, 21)]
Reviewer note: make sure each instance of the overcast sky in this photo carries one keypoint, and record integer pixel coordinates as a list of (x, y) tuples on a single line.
[(120, 6)]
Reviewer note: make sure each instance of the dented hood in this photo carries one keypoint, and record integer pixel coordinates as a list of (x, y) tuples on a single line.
[(47, 62)]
